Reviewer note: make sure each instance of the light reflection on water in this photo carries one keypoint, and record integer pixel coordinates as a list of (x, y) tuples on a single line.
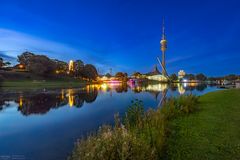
[(45, 124)]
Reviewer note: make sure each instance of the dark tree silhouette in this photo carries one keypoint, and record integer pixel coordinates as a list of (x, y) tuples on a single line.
[(42, 65), (24, 58), (90, 72), (201, 77)]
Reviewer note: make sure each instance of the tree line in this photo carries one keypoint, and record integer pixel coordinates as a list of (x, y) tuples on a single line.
[(44, 66), (202, 77), (4, 63)]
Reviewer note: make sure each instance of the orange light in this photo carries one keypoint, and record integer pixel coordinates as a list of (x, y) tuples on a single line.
[(20, 102), (21, 66), (70, 97), (71, 65)]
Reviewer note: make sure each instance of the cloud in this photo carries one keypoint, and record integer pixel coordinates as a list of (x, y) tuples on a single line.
[(13, 43), (177, 59), (3, 55)]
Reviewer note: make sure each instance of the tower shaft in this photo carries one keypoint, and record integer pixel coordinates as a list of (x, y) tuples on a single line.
[(163, 63), (163, 44)]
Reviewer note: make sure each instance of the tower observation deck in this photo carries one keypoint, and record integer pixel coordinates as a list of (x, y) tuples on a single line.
[(163, 48)]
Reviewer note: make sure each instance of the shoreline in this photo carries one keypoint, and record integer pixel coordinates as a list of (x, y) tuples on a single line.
[(203, 127), (41, 84)]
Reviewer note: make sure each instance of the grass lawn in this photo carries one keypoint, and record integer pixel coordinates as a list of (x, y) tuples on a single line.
[(213, 132), (31, 84)]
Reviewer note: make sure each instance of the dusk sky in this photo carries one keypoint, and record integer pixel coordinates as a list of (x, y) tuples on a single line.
[(203, 36)]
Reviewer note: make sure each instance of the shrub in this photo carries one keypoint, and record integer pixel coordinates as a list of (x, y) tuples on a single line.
[(112, 143), (143, 135)]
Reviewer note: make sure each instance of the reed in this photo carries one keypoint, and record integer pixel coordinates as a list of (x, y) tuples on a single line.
[(139, 135)]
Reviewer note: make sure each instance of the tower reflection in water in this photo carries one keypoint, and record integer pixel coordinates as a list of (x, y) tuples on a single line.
[(41, 102)]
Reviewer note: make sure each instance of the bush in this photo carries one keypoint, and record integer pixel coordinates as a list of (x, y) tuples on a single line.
[(141, 136), (112, 143)]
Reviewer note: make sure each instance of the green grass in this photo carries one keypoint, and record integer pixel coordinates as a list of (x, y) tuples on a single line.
[(140, 136), (35, 84), (213, 133), (185, 128), (11, 80)]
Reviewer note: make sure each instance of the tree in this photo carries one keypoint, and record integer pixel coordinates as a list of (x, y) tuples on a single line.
[(24, 58), (173, 77), (61, 66), (3, 64), (201, 77), (108, 75), (42, 65), (90, 72), (136, 74), (189, 76), (7, 63), (231, 77), (121, 76), (212, 79), (79, 68)]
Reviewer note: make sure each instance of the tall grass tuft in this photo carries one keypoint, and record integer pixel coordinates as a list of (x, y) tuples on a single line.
[(141, 135)]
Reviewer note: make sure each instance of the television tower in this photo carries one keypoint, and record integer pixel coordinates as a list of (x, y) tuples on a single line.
[(163, 44)]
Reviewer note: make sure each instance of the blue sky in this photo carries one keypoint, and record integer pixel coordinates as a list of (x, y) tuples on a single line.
[(203, 36)]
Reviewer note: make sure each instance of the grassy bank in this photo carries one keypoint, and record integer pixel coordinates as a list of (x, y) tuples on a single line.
[(139, 135), (27, 80), (34, 84), (211, 133)]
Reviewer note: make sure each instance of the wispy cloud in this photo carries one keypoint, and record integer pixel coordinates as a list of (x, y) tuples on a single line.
[(5, 56), (177, 59), (13, 43)]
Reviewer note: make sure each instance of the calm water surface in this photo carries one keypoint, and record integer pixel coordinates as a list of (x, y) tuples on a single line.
[(44, 124)]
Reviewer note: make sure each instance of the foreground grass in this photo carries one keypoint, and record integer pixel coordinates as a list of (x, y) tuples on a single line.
[(140, 135), (212, 133), (31, 84)]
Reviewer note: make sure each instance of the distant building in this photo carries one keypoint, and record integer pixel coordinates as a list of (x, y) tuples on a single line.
[(238, 84), (156, 75), (20, 68), (181, 74)]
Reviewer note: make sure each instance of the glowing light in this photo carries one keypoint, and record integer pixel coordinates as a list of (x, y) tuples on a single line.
[(185, 84), (70, 98), (157, 78), (21, 66), (62, 95), (156, 87), (104, 78), (20, 102), (181, 74), (104, 86), (115, 81), (71, 65), (181, 89)]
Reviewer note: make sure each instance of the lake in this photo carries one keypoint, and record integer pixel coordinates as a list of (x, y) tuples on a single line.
[(44, 124)]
